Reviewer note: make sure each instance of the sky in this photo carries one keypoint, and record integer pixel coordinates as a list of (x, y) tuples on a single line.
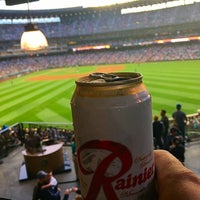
[(58, 4)]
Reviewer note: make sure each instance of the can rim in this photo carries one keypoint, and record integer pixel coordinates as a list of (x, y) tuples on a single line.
[(104, 79)]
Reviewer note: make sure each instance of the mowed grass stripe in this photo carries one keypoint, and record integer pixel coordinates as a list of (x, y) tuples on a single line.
[(171, 92), (176, 97), (61, 101), (12, 89), (170, 100), (179, 88), (30, 93), (169, 73), (54, 87), (168, 66), (22, 92), (177, 80), (15, 84), (170, 108), (28, 113), (170, 83), (175, 100), (35, 102), (69, 113), (50, 115), (62, 112), (163, 71)]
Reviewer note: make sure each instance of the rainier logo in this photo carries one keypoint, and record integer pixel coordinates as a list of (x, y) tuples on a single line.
[(106, 161)]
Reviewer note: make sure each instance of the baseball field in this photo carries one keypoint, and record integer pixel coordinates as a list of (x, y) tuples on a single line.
[(44, 96)]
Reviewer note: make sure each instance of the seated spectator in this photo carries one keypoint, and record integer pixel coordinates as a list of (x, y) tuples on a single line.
[(47, 193), (177, 149), (158, 129), (33, 143), (174, 132), (52, 183)]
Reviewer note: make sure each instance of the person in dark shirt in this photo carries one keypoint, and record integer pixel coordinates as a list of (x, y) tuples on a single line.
[(157, 132), (49, 193), (174, 132), (33, 143), (180, 119), (165, 121), (178, 149)]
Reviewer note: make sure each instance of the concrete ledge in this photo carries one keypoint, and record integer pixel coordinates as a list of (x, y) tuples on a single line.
[(23, 176)]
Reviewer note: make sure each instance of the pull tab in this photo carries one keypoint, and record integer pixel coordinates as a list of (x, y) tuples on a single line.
[(108, 77)]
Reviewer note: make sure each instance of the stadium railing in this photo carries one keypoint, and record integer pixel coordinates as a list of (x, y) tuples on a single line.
[(14, 135)]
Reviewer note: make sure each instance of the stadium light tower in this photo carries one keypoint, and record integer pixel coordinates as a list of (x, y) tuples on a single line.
[(32, 38)]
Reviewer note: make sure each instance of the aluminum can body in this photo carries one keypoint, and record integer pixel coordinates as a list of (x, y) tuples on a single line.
[(113, 126)]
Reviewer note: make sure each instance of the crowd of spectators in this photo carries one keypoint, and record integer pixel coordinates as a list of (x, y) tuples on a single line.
[(9, 138), (50, 134), (101, 22), (104, 21), (17, 66), (173, 133), (16, 135), (107, 24)]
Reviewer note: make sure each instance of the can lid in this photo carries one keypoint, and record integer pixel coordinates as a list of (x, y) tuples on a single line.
[(103, 79)]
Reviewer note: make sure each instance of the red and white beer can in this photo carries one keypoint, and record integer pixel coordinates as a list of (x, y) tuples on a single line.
[(112, 118)]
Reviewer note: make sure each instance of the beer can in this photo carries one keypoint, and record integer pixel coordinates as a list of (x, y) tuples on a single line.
[(112, 118)]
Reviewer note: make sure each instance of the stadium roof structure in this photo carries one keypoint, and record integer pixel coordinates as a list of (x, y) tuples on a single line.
[(11, 13)]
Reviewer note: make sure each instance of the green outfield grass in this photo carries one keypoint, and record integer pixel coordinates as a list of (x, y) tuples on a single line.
[(25, 99)]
